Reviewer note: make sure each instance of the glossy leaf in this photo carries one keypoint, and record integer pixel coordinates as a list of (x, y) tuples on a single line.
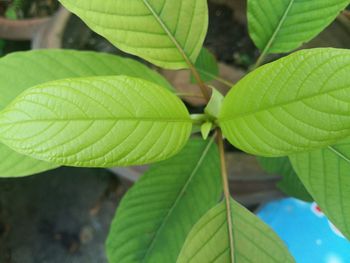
[(22, 70), (207, 66), (295, 104), (281, 26), (290, 183), (254, 241), (14, 164), (96, 122), (325, 173), (160, 31), (156, 215)]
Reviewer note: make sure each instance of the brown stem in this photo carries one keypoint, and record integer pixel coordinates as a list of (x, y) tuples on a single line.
[(199, 80), (226, 189)]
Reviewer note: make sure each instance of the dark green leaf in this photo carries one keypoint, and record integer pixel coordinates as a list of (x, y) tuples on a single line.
[(290, 183), (156, 215)]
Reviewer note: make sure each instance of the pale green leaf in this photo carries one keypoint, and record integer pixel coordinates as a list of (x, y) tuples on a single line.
[(290, 183), (205, 129), (207, 66), (253, 240), (283, 25), (96, 122), (215, 103), (14, 164), (160, 31), (325, 173), (22, 70), (157, 214), (297, 103)]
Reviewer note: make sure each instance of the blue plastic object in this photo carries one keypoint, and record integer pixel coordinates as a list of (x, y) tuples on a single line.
[(309, 235)]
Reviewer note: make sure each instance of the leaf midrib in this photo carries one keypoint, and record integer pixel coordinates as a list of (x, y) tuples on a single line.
[(183, 190), (278, 28), (279, 105), (111, 119), (167, 31), (339, 154)]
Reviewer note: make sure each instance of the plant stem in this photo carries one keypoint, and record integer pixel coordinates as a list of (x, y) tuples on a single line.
[(260, 60), (199, 119), (226, 189), (200, 82), (220, 142)]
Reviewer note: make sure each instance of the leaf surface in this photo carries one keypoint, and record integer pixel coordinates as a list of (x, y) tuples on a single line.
[(295, 104), (14, 164), (156, 215), (290, 183), (22, 70), (207, 66), (254, 241), (96, 122), (160, 31), (281, 26), (325, 173)]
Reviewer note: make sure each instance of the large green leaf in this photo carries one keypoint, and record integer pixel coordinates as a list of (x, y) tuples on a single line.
[(157, 214), (290, 183), (297, 103), (283, 25), (325, 173), (22, 70), (254, 241), (96, 122), (160, 31)]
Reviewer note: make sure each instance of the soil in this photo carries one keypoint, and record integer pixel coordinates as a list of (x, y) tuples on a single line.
[(61, 216), (234, 47)]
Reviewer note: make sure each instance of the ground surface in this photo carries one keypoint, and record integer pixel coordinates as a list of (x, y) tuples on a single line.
[(60, 216)]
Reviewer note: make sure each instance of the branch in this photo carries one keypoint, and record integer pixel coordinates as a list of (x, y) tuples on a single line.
[(227, 196)]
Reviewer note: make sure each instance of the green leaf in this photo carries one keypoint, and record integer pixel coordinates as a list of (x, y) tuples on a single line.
[(325, 173), (214, 105), (14, 164), (207, 66), (157, 214), (162, 32), (290, 183), (22, 70), (205, 129), (254, 241), (96, 122), (281, 26), (295, 104)]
